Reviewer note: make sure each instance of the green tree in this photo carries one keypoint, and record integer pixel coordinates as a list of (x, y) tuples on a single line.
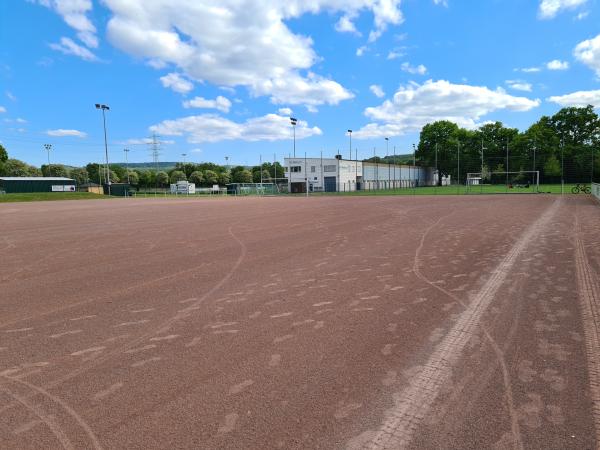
[(162, 178), (224, 178), (114, 178), (55, 170), (438, 146), (177, 175), (243, 176), (210, 177), (134, 178), (552, 167), (3, 154), (197, 178), (17, 168), (80, 175)]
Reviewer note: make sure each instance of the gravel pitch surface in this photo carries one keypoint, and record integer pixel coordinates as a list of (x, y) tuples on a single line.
[(329, 322)]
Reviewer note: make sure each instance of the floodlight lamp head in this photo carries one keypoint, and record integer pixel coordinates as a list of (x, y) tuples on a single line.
[(293, 120), (350, 131)]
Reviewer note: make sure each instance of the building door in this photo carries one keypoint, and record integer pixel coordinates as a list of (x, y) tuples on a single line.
[(298, 188), (329, 184)]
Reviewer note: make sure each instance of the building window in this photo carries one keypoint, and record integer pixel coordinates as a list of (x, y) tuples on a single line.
[(313, 169), (296, 169), (315, 178), (330, 168)]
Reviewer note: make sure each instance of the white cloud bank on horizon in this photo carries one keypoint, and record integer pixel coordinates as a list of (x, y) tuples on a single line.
[(415, 105)]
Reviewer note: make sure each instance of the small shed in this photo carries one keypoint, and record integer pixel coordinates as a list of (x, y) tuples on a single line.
[(92, 188), (36, 184), (117, 189)]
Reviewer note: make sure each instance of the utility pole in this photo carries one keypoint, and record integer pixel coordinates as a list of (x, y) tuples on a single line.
[(154, 151), (260, 168)]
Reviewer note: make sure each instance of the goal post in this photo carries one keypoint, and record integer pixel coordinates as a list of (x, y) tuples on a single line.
[(522, 181)]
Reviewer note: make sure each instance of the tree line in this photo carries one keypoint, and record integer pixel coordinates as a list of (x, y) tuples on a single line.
[(203, 174), (562, 146)]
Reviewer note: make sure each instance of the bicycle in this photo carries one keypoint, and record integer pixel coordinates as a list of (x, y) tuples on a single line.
[(578, 188)]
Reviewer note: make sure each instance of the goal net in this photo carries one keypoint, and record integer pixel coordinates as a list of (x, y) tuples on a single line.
[(524, 181)]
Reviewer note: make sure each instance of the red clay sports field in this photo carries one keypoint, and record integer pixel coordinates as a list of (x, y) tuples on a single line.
[(322, 322)]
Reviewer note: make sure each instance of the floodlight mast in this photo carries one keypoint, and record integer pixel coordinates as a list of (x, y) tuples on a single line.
[(48, 147), (350, 134), (105, 108), (294, 121)]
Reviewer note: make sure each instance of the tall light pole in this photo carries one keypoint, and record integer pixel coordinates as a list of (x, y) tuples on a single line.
[(562, 165), (414, 164), (294, 121), (126, 151), (482, 149), (105, 108), (350, 147), (438, 181), (458, 158), (387, 154), (506, 161), (48, 147)]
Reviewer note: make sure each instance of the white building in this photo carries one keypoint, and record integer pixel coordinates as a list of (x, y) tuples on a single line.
[(337, 174)]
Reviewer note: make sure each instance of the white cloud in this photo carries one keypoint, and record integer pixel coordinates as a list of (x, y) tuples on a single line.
[(2, 109), (395, 54), (588, 52), (69, 47), (519, 85), (361, 50), (557, 65), (20, 120), (228, 43), (579, 98), (415, 105), (214, 128), (74, 13), (196, 150), (11, 96), (415, 70), (177, 83), (441, 2), (550, 8), (528, 70), (62, 133), (285, 111), (582, 15), (312, 90), (221, 103), (345, 25), (377, 90)]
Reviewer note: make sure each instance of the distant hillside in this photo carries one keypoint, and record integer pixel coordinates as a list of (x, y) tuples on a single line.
[(398, 159), (166, 165)]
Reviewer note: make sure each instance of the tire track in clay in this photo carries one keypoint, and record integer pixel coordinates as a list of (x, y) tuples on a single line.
[(589, 297), (416, 400)]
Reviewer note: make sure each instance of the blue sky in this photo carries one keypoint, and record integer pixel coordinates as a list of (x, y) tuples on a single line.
[(220, 78)]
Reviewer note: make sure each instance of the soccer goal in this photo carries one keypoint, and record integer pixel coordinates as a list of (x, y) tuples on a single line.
[(525, 181)]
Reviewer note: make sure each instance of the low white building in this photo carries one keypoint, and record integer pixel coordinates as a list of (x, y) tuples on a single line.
[(342, 175)]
